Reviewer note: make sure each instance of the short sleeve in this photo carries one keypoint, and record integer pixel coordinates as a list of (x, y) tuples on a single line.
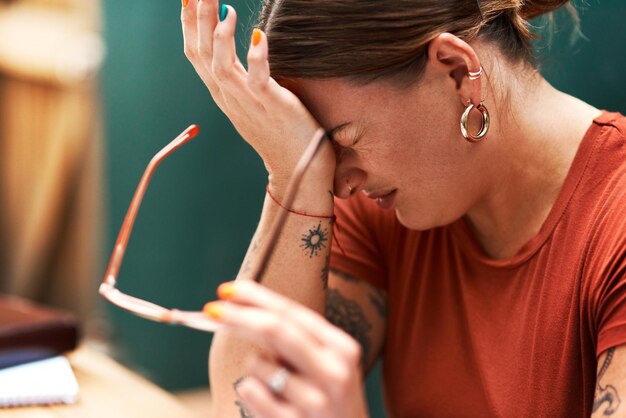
[(609, 293), (356, 250)]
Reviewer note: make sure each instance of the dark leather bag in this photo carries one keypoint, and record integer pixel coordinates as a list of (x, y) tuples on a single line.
[(30, 332)]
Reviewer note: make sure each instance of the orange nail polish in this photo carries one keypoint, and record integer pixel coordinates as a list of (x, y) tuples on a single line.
[(256, 36), (226, 290), (185, 3), (214, 309)]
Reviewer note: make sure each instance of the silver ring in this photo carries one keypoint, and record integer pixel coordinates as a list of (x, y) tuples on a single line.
[(476, 75), (278, 381)]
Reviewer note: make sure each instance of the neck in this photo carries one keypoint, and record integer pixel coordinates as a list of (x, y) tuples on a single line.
[(535, 144)]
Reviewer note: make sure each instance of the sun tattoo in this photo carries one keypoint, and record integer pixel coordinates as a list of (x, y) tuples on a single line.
[(314, 241)]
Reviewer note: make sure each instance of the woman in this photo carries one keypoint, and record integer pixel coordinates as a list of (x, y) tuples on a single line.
[(485, 206)]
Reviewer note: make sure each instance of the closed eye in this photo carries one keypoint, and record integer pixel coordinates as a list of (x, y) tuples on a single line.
[(345, 137)]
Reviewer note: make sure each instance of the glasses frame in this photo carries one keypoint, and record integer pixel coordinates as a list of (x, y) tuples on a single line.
[(192, 319)]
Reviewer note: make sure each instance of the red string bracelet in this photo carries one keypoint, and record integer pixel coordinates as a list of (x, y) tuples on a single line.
[(267, 189), (332, 218)]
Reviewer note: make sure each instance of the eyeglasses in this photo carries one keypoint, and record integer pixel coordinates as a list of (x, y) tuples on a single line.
[(192, 319)]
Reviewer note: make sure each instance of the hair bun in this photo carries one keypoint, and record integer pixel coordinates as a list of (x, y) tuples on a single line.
[(535, 8)]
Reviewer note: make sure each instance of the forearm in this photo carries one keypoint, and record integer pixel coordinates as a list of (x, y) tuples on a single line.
[(297, 269)]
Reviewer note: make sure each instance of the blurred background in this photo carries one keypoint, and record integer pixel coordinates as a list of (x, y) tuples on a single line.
[(89, 91)]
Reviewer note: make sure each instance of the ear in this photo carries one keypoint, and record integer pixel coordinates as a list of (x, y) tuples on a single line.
[(456, 58)]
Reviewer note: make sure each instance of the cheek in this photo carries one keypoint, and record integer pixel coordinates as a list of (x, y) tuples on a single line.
[(432, 200), (434, 159), (434, 192), (415, 148)]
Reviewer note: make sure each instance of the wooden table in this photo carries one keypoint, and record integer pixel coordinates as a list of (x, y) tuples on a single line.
[(107, 390)]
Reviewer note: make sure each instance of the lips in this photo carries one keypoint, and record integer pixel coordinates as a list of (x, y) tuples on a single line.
[(384, 199)]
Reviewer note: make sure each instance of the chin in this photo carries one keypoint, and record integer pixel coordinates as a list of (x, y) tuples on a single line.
[(420, 220), (414, 221)]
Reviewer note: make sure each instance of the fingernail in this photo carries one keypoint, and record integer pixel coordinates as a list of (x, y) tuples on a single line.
[(256, 36), (223, 12), (185, 3), (214, 309), (226, 290)]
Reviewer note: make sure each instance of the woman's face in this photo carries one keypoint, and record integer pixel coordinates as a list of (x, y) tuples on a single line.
[(402, 147)]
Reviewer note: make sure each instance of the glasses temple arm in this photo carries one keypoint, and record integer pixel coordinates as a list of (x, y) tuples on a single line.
[(290, 194), (127, 226)]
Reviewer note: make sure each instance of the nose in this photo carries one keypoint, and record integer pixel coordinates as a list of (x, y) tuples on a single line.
[(348, 181)]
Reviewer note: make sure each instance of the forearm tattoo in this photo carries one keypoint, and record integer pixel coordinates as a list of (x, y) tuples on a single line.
[(314, 240), (348, 315), (378, 298), (242, 409), (324, 275), (345, 276), (606, 394)]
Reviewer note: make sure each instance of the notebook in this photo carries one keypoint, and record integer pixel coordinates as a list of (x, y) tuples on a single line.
[(43, 382)]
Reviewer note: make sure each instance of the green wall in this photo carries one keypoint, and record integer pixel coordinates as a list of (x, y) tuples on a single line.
[(204, 201), (594, 68)]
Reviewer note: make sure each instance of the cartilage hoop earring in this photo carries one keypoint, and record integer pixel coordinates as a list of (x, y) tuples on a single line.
[(476, 74), (484, 128)]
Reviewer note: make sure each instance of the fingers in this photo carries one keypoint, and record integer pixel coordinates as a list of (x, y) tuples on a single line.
[(296, 391), (261, 402), (291, 330), (264, 87), (226, 69), (225, 65), (250, 293), (189, 19), (206, 22), (209, 37), (210, 47), (290, 342), (258, 66), (268, 117)]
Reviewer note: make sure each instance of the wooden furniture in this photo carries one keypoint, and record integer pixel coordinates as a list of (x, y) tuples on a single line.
[(107, 390), (51, 153)]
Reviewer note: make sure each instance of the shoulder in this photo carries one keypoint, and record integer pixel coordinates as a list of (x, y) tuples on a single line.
[(608, 139), (605, 259), (610, 142), (608, 234), (613, 119), (604, 188), (601, 204)]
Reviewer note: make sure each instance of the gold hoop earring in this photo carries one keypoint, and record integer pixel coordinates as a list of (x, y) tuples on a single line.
[(484, 128)]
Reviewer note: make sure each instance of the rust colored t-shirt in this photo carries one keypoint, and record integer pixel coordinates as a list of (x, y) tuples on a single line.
[(470, 336)]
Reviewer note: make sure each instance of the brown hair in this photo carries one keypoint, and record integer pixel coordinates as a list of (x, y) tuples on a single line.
[(367, 40)]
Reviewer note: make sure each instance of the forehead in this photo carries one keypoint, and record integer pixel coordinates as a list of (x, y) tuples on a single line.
[(336, 101)]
